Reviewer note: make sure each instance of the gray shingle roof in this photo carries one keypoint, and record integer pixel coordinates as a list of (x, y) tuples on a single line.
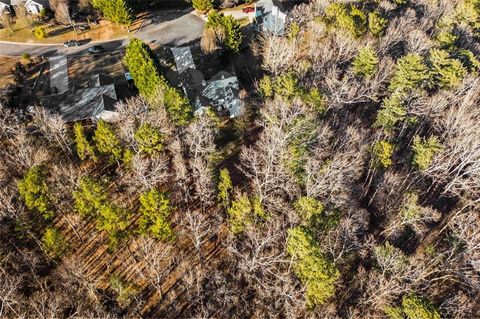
[(183, 58), (81, 104)]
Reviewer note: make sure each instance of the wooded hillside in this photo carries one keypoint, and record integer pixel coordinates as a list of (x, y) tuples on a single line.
[(349, 189)]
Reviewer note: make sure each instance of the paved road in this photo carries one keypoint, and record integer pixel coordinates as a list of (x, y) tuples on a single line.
[(168, 27)]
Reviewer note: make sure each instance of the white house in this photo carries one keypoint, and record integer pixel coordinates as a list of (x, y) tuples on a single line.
[(33, 6), (5, 5)]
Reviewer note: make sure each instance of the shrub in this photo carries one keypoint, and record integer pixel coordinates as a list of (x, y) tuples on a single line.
[(40, 33), (149, 139), (34, 192), (314, 270), (424, 151), (155, 209), (382, 152), (365, 63)]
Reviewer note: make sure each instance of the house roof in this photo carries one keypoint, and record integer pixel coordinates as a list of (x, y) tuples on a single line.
[(183, 58), (222, 92), (6, 2), (102, 79), (81, 104)]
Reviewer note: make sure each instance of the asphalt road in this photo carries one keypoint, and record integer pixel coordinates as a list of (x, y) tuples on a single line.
[(168, 27)]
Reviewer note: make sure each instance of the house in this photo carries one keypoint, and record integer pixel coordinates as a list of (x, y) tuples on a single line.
[(6, 5), (33, 6), (221, 92), (270, 16), (94, 102)]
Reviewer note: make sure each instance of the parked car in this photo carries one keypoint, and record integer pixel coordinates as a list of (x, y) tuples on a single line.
[(96, 49), (130, 82), (248, 9), (71, 43)]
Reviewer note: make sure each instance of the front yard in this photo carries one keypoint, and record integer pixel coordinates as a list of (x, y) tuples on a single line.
[(104, 30)]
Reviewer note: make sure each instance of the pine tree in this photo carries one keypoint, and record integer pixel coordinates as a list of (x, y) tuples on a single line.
[(286, 86), (84, 148), (116, 11), (142, 66), (114, 220), (376, 23), (265, 88), (155, 210), (106, 141), (314, 270), (349, 18), (382, 152), (89, 197), (410, 73), (445, 72), (225, 187), (229, 28), (202, 5), (391, 112), (424, 151), (53, 242), (415, 307), (34, 192), (239, 214), (365, 63), (149, 139)]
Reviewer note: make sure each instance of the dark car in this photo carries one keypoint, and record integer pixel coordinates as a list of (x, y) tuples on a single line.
[(248, 9), (96, 49), (71, 43)]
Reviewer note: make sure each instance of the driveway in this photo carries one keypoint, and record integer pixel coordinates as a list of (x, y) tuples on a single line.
[(167, 27), (59, 73)]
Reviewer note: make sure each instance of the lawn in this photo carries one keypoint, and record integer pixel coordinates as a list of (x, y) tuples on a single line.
[(7, 64), (59, 34)]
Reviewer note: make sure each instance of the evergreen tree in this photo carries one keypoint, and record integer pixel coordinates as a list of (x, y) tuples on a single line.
[(34, 192), (229, 28), (149, 139), (391, 112), (239, 214), (382, 152), (89, 197), (410, 73), (315, 100), (114, 220), (116, 11), (84, 148), (53, 242), (424, 151), (445, 72), (349, 18), (265, 88), (376, 23), (142, 66), (155, 209), (314, 270), (468, 59), (106, 141), (365, 63), (225, 187), (202, 5), (286, 86), (418, 308)]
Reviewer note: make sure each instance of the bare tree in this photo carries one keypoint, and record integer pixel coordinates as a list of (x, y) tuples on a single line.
[(6, 20), (22, 14), (62, 14)]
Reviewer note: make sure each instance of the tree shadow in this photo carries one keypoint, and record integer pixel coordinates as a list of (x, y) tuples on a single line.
[(60, 31)]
